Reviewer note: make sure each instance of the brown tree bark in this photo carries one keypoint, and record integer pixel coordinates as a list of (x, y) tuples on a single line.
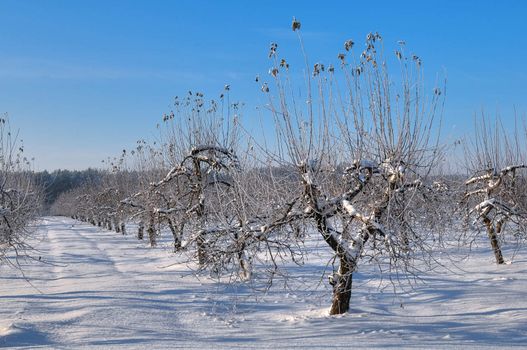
[(140, 230), (342, 289), (342, 284), (495, 244), (175, 234), (116, 226), (151, 230)]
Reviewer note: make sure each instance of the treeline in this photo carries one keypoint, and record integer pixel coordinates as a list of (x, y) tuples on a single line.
[(59, 181)]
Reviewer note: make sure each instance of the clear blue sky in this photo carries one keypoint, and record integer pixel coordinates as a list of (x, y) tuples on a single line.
[(84, 79)]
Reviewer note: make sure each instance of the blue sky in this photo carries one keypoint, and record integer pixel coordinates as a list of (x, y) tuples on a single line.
[(84, 79)]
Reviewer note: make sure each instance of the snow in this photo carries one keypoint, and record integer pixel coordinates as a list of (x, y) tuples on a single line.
[(365, 164), (478, 178), (350, 209), (492, 202), (483, 205), (99, 290)]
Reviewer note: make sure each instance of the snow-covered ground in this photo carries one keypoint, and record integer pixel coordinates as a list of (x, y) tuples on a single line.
[(97, 289)]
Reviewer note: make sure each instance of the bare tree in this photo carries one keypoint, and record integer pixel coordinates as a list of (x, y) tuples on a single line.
[(142, 200), (196, 196), (20, 198), (362, 154), (495, 192)]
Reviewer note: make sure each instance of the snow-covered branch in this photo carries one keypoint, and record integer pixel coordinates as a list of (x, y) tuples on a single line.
[(176, 171), (492, 203)]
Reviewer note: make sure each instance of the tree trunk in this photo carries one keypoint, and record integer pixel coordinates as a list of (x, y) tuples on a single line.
[(202, 249), (151, 230), (200, 213), (140, 230), (343, 281), (116, 225), (342, 289), (493, 240), (245, 264), (123, 228), (177, 238)]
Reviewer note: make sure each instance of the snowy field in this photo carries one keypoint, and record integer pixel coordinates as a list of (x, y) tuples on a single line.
[(97, 289)]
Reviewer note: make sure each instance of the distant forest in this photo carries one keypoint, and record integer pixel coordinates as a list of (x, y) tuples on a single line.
[(60, 181)]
